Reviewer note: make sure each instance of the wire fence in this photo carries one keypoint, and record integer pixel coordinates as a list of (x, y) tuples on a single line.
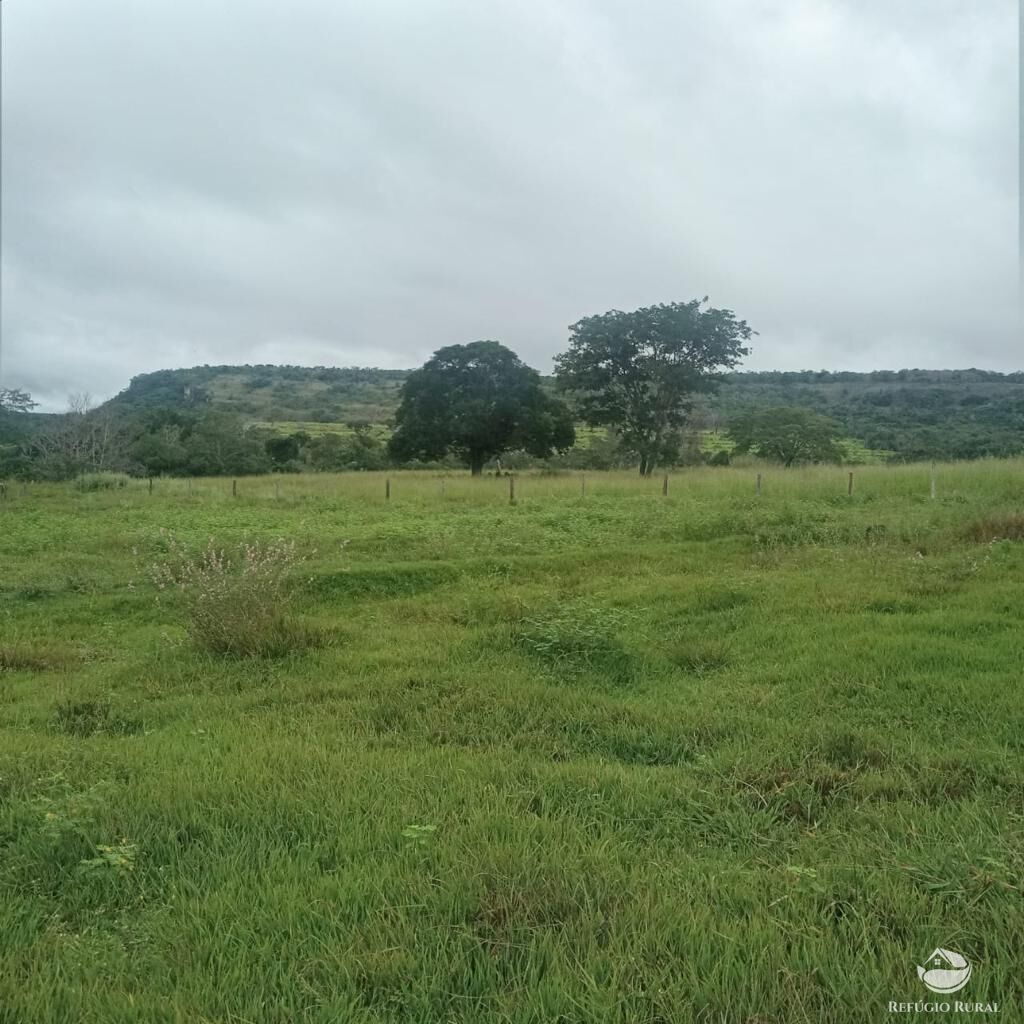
[(921, 482)]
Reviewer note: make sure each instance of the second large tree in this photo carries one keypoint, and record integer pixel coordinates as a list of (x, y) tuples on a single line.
[(640, 372), (477, 401)]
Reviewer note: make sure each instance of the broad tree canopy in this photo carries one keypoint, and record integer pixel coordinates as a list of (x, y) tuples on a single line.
[(788, 434), (477, 401), (640, 372)]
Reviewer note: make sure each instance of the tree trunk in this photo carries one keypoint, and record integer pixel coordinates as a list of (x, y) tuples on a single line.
[(476, 465), (643, 465)]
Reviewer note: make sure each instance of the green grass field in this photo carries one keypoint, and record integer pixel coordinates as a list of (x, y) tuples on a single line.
[(601, 756)]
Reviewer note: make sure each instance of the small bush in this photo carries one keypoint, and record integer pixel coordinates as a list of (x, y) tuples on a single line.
[(236, 603)]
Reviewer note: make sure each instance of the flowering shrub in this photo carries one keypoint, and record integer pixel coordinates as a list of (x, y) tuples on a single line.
[(237, 602)]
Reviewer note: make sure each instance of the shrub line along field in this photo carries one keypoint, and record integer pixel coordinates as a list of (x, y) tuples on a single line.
[(610, 756)]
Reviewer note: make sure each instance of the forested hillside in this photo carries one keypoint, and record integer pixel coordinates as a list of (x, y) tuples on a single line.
[(917, 414), (319, 394)]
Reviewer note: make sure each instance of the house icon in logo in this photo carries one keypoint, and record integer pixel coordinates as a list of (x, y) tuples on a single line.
[(946, 971)]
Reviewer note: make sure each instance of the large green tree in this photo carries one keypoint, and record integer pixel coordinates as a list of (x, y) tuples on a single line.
[(477, 401), (788, 435), (641, 372)]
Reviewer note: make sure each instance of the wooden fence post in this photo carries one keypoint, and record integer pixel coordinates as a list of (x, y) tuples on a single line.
[(3, 490), (583, 485), (849, 486), (664, 485), (234, 488), (933, 481), (511, 490), (758, 483), (387, 489)]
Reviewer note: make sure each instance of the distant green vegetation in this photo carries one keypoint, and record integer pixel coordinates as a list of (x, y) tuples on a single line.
[(602, 756), (916, 414), (713, 442), (317, 429), (319, 394), (709, 442), (217, 420), (585, 436)]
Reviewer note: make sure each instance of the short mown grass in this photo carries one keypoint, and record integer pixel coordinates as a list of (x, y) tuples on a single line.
[(610, 757)]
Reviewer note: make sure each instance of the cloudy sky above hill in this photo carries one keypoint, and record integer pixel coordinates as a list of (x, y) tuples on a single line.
[(359, 183)]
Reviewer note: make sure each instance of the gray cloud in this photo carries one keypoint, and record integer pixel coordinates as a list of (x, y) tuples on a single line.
[(360, 183)]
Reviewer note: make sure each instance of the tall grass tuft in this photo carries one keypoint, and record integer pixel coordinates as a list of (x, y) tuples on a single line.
[(1007, 526), (237, 602), (581, 638)]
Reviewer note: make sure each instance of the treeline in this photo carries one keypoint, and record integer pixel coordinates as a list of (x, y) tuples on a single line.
[(210, 442), (173, 442), (220, 420), (971, 376), (914, 414)]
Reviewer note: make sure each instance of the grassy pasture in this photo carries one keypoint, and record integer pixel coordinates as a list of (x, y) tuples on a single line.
[(600, 756)]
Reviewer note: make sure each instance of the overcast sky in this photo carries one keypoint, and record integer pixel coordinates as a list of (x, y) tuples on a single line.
[(358, 183)]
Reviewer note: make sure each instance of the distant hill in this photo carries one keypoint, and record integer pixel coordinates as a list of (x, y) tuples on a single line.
[(321, 394), (917, 414)]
